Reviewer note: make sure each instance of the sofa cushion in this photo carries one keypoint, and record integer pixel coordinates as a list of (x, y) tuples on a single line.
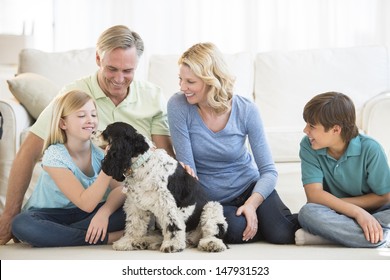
[(59, 67), (285, 81), (33, 91), (163, 71)]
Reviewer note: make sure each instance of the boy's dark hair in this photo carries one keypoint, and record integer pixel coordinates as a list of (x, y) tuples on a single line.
[(332, 108)]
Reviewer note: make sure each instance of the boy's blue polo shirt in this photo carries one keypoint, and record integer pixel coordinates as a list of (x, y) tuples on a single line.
[(361, 170)]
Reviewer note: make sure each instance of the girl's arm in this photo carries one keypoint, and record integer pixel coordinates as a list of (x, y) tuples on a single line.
[(70, 186), (115, 199), (99, 223)]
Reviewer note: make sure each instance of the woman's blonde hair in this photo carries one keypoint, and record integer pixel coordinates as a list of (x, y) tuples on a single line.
[(63, 106), (207, 63)]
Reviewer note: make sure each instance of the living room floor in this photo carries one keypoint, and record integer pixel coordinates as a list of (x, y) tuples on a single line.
[(253, 251), (283, 261)]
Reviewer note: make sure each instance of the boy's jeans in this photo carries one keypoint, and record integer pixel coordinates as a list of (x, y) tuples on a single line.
[(323, 221)]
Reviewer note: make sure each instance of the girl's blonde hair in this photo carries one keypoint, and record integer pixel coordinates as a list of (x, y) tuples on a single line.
[(208, 64), (63, 106)]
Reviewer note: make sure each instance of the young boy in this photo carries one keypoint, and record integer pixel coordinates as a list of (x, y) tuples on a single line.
[(346, 178)]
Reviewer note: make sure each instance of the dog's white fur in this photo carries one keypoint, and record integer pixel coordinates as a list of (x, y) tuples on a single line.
[(148, 196)]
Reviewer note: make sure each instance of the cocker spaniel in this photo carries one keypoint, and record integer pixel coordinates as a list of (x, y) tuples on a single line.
[(158, 186)]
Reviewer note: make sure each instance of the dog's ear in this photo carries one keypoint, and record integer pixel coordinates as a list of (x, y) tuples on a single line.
[(118, 158), (137, 141), (125, 143), (140, 144)]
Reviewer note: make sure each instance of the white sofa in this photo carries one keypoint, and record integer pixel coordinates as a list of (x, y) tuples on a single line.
[(280, 83)]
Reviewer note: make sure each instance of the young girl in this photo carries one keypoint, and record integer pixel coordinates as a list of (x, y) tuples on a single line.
[(74, 202)]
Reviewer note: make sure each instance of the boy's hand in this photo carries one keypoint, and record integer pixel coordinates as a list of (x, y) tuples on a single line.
[(372, 229)]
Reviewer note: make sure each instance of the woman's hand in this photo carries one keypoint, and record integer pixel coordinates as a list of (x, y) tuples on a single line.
[(189, 170), (249, 211)]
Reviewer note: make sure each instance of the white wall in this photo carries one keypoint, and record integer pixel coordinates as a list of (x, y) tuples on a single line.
[(171, 26)]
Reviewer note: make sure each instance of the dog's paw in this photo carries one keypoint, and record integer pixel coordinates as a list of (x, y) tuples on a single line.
[(129, 244), (152, 241), (172, 247), (211, 244), (123, 244)]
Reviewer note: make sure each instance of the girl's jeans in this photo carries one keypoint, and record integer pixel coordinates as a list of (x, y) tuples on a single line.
[(57, 227), (276, 224), (323, 221)]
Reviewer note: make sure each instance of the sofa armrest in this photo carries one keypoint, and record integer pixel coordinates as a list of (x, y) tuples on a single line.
[(376, 117), (15, 120)]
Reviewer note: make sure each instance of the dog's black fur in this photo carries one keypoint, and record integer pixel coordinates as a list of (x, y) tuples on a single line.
[(125, 143)]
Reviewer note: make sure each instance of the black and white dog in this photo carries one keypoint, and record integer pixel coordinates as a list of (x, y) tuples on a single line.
[(155, 183)]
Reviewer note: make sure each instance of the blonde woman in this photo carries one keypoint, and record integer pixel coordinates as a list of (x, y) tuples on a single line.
[(74, 203), (209, 128)]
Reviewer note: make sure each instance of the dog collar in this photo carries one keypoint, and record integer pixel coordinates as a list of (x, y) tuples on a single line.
[(141, 159)]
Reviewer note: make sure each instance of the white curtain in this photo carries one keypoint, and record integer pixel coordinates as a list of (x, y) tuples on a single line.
[(171, 26)]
